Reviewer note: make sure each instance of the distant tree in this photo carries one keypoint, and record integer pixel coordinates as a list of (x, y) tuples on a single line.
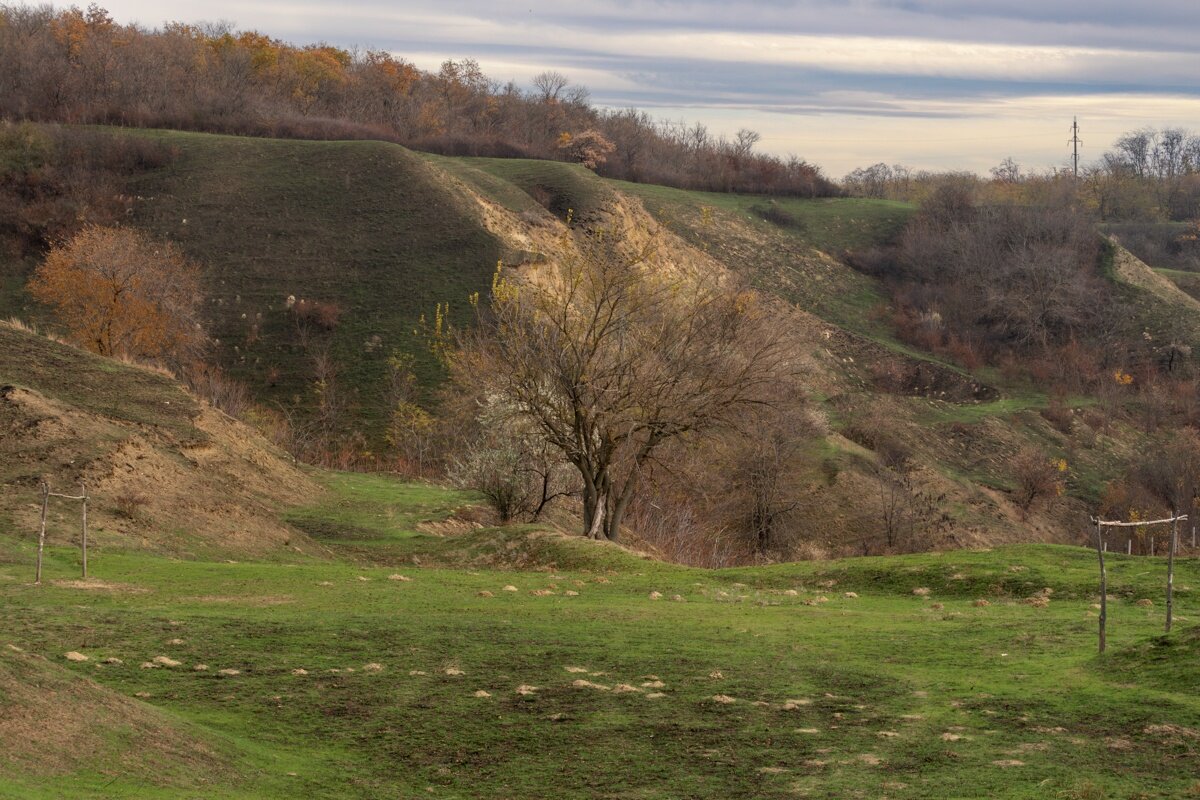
[(549, 85), (1007, 171), (1036, 476), (120, 293), (869, 181)]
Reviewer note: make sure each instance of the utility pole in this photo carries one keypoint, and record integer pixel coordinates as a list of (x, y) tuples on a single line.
[(1074, 142)]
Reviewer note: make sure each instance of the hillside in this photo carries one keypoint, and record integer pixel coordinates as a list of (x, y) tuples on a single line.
[(382, 235), (169, 474)]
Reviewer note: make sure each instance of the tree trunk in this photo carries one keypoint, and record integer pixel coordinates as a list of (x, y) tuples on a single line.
[(596, 530), (613, 527)]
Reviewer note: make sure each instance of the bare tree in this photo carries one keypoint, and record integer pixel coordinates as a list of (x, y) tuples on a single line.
[(764, 473), (1007, 171), (613, 354)]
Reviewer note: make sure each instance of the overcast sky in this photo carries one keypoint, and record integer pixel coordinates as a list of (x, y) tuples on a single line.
[(928, 83)]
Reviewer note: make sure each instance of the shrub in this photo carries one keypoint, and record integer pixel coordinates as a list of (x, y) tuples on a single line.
[(1036, 476), (210, 383), (120, 293), (1059, 415), (324, 315), (130, 504)]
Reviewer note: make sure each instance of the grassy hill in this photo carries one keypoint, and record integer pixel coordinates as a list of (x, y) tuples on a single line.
[(368, 226)]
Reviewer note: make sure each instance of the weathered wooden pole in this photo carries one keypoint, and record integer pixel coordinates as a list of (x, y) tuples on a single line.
[(1129, 545), (83, 542), (1171, 570), (1103, 582), (42, 534)]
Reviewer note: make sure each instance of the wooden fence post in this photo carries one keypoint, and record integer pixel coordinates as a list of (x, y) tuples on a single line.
[(1171, 570), (1103, 583), (42, 534), (83, 543)]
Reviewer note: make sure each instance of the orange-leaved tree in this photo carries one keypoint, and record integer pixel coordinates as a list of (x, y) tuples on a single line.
[(120, 293)]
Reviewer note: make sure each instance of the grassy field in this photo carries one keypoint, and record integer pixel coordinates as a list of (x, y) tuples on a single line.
[(97, 385), (603, 675)]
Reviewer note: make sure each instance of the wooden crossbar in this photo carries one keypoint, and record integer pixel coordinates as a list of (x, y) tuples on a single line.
[(1107, 524)]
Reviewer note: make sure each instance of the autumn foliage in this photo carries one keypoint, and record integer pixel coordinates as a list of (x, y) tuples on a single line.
[(120, 293), (80, 66)]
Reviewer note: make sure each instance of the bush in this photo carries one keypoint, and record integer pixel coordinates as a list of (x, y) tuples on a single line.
[(1036, 476), (324, 315), (210, 383), (130, 504), (122, 294), (1058, 415)]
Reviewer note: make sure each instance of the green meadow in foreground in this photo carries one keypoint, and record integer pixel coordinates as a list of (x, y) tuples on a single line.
[(410, 664)]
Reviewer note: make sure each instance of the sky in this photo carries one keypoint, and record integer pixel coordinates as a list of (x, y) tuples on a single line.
[(933, 84)]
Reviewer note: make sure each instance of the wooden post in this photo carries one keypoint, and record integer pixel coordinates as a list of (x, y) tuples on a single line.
[(1151, 545), (42, 535), (1129, 545), (83, 542), (1171, 571), (1103, 583)]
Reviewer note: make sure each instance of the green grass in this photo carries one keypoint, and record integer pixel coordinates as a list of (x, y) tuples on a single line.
[(883, 677), (523, 185), (369, 226), (833, 225)]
